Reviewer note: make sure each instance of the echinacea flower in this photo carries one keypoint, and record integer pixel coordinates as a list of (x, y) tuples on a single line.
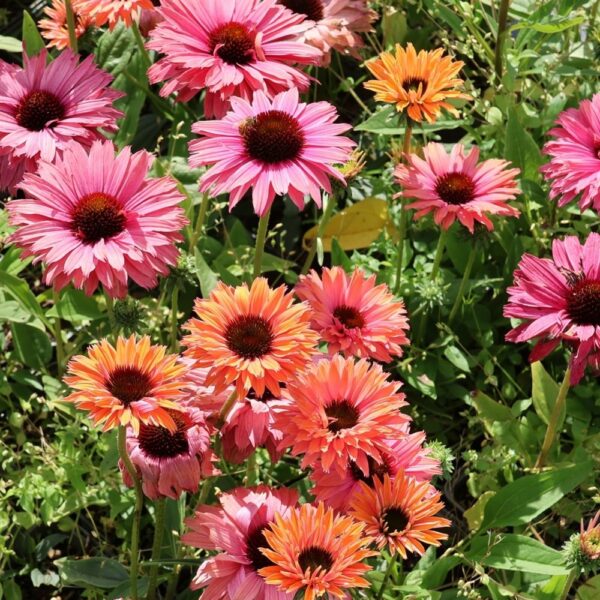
[(93, 217), (230, 49), (314, 550), (400, 513), (454, 186), (131, 383), (574, 167), (170, 462), (559, 300), (582, 550), (354, 315), (237, 528), (11, 174), (282, 146), (419, 83), (339, 410), (253, 337), (115, 11), (54, 25)]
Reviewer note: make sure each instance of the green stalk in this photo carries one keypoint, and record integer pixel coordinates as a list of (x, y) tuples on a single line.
[(139, 40), (388, 572), (71, 26), (463, 284), (502, 22), (159, 526), (60, 349), (174, 321), (328, 204), (252, 470), (439, 253), (199, 226), (569, 584), (261, 236), (226, 409)]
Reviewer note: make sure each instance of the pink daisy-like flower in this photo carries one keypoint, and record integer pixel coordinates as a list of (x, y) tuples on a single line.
[(229, 48), (93, 217), (574, 167), (278, 147), (236, 528), (354, 315), (114, 11), (454, 186), (559, 299), (11, 174), (171, 463)]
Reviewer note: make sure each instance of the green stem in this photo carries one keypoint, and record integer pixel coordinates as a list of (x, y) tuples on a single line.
[(261, 236), (552, 432), (502, 22), (569, 584), (174, 320), (252, 470), (388, 572), (159, 526), (60, 349), (439, 253), (463, 284), (226, 409), (71, 26), (328, 204), (199, 226), (110, 309), (139, 502), (139, 40)]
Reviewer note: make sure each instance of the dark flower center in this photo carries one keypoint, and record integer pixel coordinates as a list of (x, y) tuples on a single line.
[(412, 83), (249, 336), (583, 302), (376, 469), (342, 415), (233, 43), (349, 316), (394, 519), (159, 442), (256, 539), (272, 137), (313, 9), (128, 384), (314, 557), (455, 188), (97, 217), (37, 109)]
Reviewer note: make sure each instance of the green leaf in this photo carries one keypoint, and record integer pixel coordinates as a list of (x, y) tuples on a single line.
[(553, 589), (19, 290), (32, 40), (339, 257), (10, 44), (206, 276), (490, 409), (93, 572), (544, 391), (114, 49), (32, 346), (385, 122), (124, 590), (553, 27), (75, 306), (520, 148), (590, 590), (474, 515), (457, 358), (13, 312)]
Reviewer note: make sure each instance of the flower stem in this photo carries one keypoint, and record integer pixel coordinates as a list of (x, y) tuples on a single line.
[(174, 321), (252, 470), (60, 349), (502, 22), (226, 409), (569, 584), (159, 526), (552, 432), (261, 236), (139, 40), (199, 226), (328, 204), (388, 572), (139, 502), (463, 284), (71, 26), (439, 253)]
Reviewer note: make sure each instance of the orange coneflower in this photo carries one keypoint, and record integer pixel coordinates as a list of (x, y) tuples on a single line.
[(420, 83), (400, 513), (134, 383), (252, 337), (54, 26), (314, 550), (113, 11)]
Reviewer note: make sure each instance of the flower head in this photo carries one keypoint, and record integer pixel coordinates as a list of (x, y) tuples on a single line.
[(419, 83), (11, 174), (93, 217), (353, 315), (131, 383), (454, 186), (114, 11), (559, 299), (54, 26), (582, 550), (278, 147)]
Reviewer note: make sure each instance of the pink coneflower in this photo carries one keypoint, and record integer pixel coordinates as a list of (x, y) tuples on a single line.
[(278, 147), (96, 218), (354, 315), (113, 11), (229, 48), (54, 26), (237, 529), (454, 186), (11, 174), (43, 106), (574, 167), (339, 410), (559, 299)]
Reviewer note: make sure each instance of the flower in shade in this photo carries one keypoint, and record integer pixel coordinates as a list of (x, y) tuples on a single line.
[(114, 11), (574, 167), (229, 48), (170, 462), (339, 410), (275, 147), (334, 24), (11, 173), (419, 83), (314, 550), (54, 25), (252, 337), (354, 315), (454, 186), (404, 453), (93, 217), (131, 383), (400, 513), (237, 529), (559, 299)]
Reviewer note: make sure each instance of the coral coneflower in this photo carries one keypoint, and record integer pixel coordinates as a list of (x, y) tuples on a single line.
[(114, 11), (237, 528), (54, 26), (400, 513), (229, 48), (314, 550), (354, 315), (582, 550), (574, 168), (96, 218), (340, 410), (419, 83), (559, 300), (131, 383), (278, 147), (253, 337), (454, 186)]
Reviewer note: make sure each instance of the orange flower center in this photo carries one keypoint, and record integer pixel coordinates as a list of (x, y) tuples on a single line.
[(349, 316), (97, 217), (313, 9), (583, 302), (249, 336), (233, 43), (272, 137), (341, 415), (376, 469), (455, 188), (256, 539), (129, 384), (394, 519), (159, 442), (38, 109), (412, 84), (314, 558)]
